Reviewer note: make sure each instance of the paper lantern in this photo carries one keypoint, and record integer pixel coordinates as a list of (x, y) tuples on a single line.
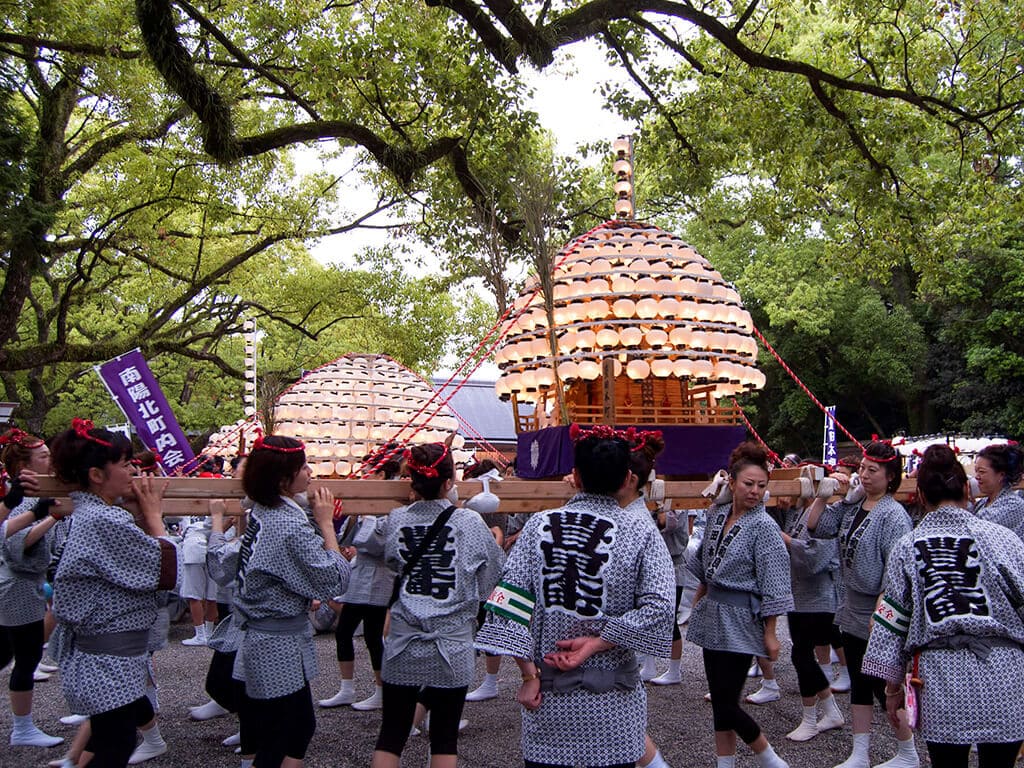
[(638, 369), (624, 308), (661, 367), (631, 336), (607, 338), (589, 370)]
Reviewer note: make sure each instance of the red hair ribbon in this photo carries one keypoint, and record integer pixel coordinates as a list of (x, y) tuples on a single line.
[(427, 470), (83, 428), (639, 439), (20, 437), (601, 431), (260, 444)]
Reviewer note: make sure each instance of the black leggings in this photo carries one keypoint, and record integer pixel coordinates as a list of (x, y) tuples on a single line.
[(531, 764), (808, 630), (727, 674), (676, 634), (989, 755), (230, 694), (24, 644), (282, 727), (372, 618), (862, 687), (445, 705), (113, 733)]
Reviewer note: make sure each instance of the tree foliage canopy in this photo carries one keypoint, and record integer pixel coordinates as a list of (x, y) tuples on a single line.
[(853, 165)]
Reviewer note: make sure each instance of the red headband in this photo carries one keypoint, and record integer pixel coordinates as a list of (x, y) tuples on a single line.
[(850, 463), (20, 437), (84, 427), (259, 444), (878, 460), (427, 470)]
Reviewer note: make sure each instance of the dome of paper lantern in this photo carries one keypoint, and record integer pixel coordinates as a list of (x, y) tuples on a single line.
[(354, 405), (641, 296)]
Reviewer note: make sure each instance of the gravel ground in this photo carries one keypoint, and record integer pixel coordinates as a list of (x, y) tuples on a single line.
[(680, 719)]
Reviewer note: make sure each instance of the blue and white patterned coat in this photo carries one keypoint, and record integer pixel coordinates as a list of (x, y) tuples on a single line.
[(750, 557), (814, 565), (430, 641), (1007, 509), (955, 576), (371, 580), (283, 566), (863, 554), (593, 568), (23, 573), (106, 582)]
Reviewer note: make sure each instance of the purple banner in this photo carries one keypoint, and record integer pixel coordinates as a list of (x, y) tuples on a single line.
[(689, 450), (136, 392)]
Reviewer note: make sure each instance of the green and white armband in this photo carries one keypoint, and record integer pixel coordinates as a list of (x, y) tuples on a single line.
[(511, 602), (893, 616)]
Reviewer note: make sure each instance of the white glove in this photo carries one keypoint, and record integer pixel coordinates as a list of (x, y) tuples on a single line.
[(827, 488), (714, 488), (974, 488), (856, 492)]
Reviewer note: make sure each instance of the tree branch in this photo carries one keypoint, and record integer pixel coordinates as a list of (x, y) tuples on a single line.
[(239, 54), (78, 49)]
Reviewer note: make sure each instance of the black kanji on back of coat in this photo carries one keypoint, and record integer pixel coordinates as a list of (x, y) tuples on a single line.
[(576, 547), (434, 574), (951, 573)]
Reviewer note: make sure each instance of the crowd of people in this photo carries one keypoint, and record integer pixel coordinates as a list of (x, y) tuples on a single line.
[(926, 620)]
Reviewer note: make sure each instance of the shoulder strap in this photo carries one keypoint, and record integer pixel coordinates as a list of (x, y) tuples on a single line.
[(424, 545)]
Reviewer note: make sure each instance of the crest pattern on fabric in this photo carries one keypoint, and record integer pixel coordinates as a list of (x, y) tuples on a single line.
[(950, 570), (575, 547), (851, 538), (252, 531), (434, 574)]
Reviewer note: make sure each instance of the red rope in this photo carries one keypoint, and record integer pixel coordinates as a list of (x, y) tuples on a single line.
[(772, 455), (481, 345), (803, 386)]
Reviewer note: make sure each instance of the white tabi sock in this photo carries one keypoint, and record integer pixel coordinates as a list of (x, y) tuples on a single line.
[(768, 759), (347, 686), (906, 756), (23, 723), (675, 666), (246, 763), (726, 761), (859, 756), (152, 736), (826, 670), (773, 683), (210, 626)]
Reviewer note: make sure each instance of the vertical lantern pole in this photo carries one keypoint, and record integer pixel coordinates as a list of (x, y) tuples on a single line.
[(625, 205), (249, 398)]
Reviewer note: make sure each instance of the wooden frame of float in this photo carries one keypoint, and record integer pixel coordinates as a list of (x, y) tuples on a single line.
[(191, 496)]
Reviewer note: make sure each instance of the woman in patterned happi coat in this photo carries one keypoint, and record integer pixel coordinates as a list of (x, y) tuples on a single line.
[(586, 588), (867, 522), (25, 547), (743, 568), (997, 470), (428, 651), (954, 604), (644, 450), (105, 591), (285, 562)]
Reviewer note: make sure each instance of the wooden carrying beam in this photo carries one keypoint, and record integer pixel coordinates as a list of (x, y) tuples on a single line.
[(191, 496)]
